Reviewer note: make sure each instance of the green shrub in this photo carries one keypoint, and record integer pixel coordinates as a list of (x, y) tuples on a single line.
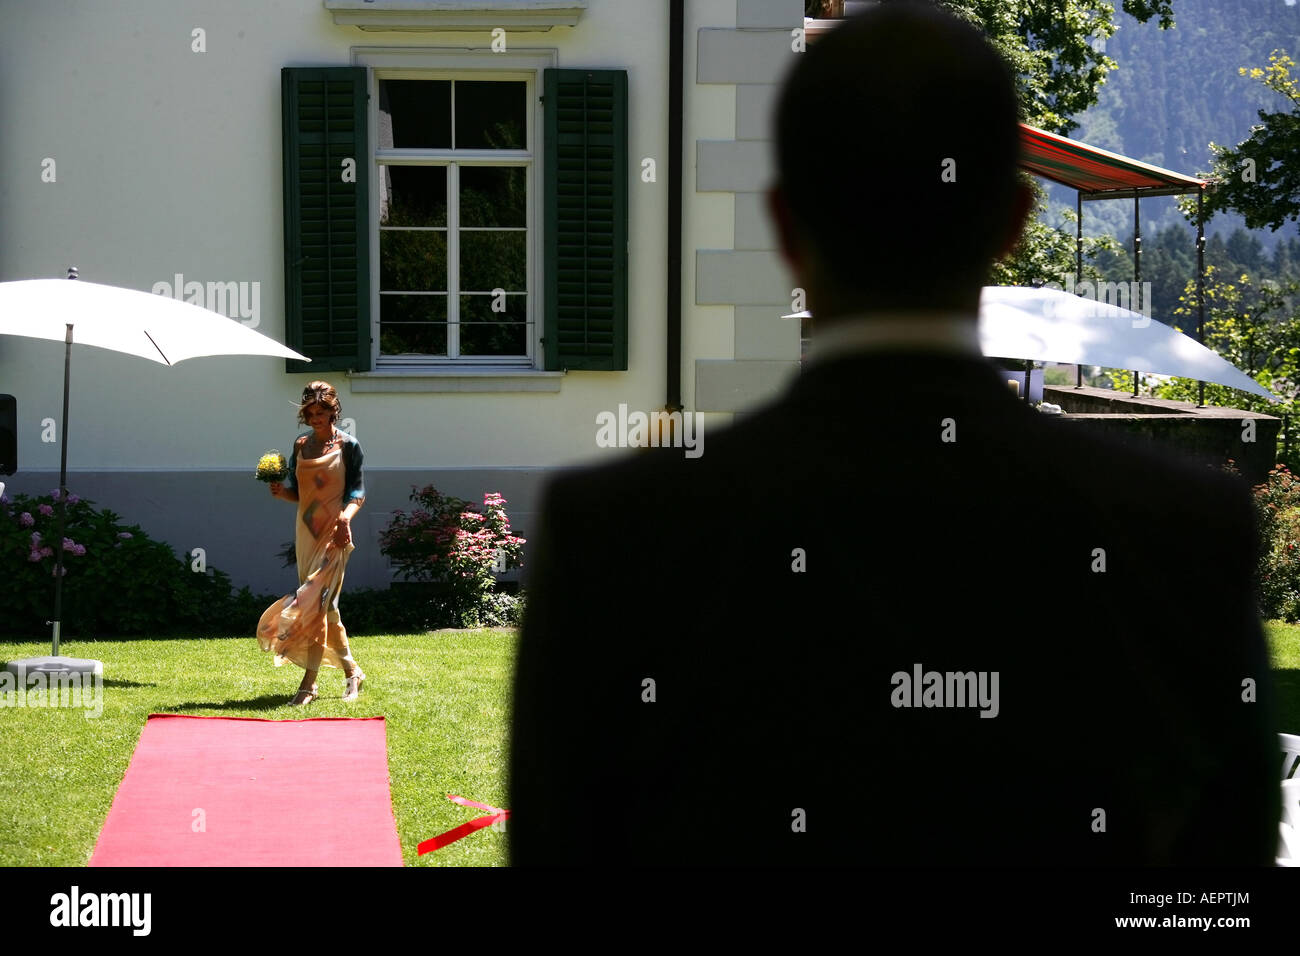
[(1277, 577), (414, 609), (386, 611), (501, 609), (116, 580)]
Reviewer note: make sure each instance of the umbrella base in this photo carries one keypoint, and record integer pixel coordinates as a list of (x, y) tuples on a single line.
[(55, 665)]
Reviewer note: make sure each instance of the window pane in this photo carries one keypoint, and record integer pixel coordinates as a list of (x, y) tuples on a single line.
[(490, 115), (412, 195), (415, 114), (493, 260), (412, 261), (493, 196), (485, 332), (412, 325)]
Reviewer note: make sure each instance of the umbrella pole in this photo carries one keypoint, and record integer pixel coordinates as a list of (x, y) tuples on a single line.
[(63, 493)]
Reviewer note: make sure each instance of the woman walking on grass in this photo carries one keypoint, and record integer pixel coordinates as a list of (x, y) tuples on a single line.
[(325, 481)]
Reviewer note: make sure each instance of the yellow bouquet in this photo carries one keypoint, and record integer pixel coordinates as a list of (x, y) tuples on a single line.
[(272, 467)]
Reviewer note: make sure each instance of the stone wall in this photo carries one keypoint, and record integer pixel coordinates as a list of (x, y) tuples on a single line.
[(1208, 435)]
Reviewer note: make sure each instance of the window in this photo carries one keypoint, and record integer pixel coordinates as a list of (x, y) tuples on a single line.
[(454, 213), (446, 231)]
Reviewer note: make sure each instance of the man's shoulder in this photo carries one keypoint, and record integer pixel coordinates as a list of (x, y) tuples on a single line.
[(779, 443)]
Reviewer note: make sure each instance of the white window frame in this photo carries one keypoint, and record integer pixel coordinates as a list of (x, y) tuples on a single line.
[(443, 64)]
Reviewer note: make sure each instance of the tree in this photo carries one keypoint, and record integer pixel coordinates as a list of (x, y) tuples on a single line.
[(1047, 254), (1260, 178), (1246, 249), (1057, 50)]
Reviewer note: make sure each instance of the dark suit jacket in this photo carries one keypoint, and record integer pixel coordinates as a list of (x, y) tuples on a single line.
[(773, 737)]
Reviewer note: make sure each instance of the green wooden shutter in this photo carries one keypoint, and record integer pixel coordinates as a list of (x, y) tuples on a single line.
[(326, 227), (586, 219)]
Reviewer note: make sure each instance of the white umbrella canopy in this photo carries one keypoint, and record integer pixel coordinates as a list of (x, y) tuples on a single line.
[(1051, 325), (149, 326)]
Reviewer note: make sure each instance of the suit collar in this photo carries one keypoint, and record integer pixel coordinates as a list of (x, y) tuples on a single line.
[(958, 333)]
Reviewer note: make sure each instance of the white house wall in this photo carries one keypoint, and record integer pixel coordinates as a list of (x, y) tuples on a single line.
[(168, 162), (745, 275)]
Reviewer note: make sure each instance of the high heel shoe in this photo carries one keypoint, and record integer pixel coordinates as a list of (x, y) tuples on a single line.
[(304, 696), (354, 685)]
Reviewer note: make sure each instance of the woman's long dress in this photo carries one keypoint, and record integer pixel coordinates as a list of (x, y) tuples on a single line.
[(298, 624)]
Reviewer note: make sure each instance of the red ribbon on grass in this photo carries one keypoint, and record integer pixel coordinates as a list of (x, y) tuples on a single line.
[(465, 829)]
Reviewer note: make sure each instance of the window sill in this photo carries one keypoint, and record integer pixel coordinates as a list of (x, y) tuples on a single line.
[(436, 16), (456, 380)]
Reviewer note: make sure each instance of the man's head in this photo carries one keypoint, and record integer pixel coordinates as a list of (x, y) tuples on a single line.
[(897, 142)]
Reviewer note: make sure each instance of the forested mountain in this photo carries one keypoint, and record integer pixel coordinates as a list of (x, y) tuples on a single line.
[(1169, 263), (1177, 90)]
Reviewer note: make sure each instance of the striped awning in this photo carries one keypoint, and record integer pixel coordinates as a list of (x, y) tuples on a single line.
[(1096, 173)]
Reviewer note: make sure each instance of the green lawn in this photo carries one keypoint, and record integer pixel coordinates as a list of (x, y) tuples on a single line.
[(1284, 640), (445, 696)]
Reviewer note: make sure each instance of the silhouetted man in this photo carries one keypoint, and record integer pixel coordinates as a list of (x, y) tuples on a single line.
[(895, 616)]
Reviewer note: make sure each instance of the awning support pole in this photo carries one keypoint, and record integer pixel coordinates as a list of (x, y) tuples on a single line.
[(1200, 285), (1137, 266), (1078, 265)]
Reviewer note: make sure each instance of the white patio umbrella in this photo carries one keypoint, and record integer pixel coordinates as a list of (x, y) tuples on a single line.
[(154, 327), (1051, 325)]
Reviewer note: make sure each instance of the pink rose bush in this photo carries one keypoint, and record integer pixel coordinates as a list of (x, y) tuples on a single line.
[(448, 542)]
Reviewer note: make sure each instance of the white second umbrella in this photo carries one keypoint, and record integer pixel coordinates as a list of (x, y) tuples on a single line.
[(1051, 325)]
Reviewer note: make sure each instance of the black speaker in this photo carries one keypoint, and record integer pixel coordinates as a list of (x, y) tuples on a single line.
[(8, 434)]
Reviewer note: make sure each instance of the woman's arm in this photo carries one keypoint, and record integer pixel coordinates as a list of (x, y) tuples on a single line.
[(289, 490), (354, 492)]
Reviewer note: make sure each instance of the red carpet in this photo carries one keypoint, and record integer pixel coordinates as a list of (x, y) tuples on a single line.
[(272, 793)]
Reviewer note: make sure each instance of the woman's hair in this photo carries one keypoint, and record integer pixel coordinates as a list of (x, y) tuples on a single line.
[(319, 393)]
